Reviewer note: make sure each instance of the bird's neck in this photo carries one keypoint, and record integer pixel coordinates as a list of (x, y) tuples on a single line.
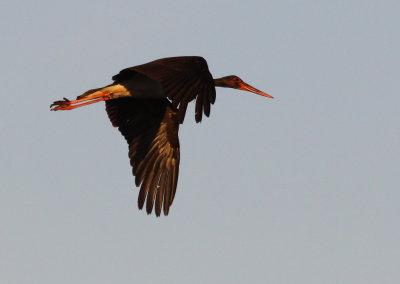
[(220, 82)]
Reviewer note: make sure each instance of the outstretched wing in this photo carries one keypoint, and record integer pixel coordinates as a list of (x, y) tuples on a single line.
[(183, 79), (150, 126)]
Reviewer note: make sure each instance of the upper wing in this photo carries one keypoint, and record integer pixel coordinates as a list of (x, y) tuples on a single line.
[(151, 129), (182, 79)]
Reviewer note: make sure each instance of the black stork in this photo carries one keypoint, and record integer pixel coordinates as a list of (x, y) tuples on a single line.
[(147, 103)]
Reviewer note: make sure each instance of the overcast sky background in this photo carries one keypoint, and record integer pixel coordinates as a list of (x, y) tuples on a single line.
[(303, 188)]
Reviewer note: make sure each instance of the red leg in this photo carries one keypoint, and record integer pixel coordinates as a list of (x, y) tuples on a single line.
[(67, 104)]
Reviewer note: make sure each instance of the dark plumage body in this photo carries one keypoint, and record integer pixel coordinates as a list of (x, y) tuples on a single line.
[(147, 103)]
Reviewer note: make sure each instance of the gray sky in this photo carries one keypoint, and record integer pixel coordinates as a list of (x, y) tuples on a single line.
[(303, 188)]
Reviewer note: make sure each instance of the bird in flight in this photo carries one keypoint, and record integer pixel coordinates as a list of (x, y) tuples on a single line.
[(147, 103)]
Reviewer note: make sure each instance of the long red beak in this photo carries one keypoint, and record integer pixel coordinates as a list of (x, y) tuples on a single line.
[(247, 87)]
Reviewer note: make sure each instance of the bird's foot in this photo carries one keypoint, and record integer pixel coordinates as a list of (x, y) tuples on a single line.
[(61, 105)]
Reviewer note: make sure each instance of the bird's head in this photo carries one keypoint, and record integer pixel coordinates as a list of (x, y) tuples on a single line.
[(235, 82)]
